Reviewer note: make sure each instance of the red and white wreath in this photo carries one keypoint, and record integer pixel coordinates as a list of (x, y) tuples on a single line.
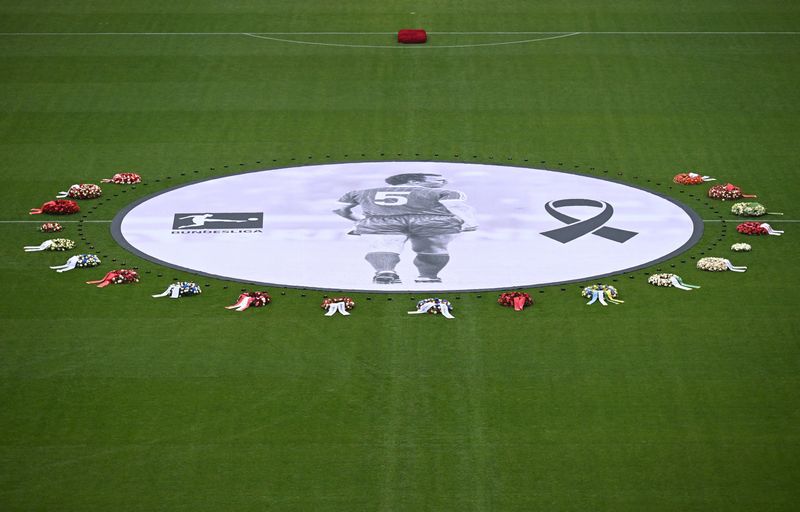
[(725, 192), (51, 227), (82, 191), (120, 276), (757, 228), (124, 178), (340, 304), (251, 300), (691, 178)]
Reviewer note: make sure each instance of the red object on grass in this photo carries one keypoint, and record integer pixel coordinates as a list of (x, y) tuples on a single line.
[(517, 300), (752, 228), (57, 207), (412, 36)]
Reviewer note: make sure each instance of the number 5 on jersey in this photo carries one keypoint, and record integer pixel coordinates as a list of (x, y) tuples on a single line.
[(391, 198)]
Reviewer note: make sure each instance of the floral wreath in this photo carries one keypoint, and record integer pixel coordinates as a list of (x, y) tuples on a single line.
[(78, 261), (51, 227), (120, 276), (434, 306), (670, 280), (251, 299), (340, 304), (757, 228), (601, 292), (741, 247), (57, 207), (725, 192), (82, 191), (714, 264), (180, 289), (54, 244), (751, 209), (124, 178), (691, 178), (516, 300)]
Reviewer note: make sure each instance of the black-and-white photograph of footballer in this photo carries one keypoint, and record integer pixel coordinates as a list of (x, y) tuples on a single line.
[(414, 210)]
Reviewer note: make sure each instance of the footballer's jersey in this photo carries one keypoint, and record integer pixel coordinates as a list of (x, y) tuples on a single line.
[(401, 200)]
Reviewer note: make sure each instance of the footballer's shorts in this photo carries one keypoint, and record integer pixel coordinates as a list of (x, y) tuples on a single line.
[(409, 225)]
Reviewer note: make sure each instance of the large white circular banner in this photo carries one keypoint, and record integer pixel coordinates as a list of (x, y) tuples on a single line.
[(407, 226)]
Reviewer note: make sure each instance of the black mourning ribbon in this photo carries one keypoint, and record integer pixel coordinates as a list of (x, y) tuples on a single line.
[(577, 228)]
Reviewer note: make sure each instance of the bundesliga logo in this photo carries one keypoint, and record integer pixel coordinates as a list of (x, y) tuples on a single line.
[(213, 222)]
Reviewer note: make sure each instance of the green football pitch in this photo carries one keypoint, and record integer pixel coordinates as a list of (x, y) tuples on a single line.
[(673, 401)]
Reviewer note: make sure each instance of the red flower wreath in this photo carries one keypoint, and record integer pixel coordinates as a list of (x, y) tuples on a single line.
[(686, 178), (752, 228), (124, 178), (727, 191), (516, 300), (57, 207)]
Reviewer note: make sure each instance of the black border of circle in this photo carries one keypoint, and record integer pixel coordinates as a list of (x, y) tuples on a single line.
[(116, 232)]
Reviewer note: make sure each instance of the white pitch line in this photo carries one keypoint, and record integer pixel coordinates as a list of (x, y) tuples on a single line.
[(666, 33), (622, 33), (201, 33)]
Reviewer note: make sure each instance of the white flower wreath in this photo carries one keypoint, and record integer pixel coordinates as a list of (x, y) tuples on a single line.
[(713, 264)]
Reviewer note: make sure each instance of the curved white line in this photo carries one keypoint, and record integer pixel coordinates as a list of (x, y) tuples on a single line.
[(343, 45)]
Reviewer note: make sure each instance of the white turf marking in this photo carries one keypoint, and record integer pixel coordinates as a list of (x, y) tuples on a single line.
[(293, 41)]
